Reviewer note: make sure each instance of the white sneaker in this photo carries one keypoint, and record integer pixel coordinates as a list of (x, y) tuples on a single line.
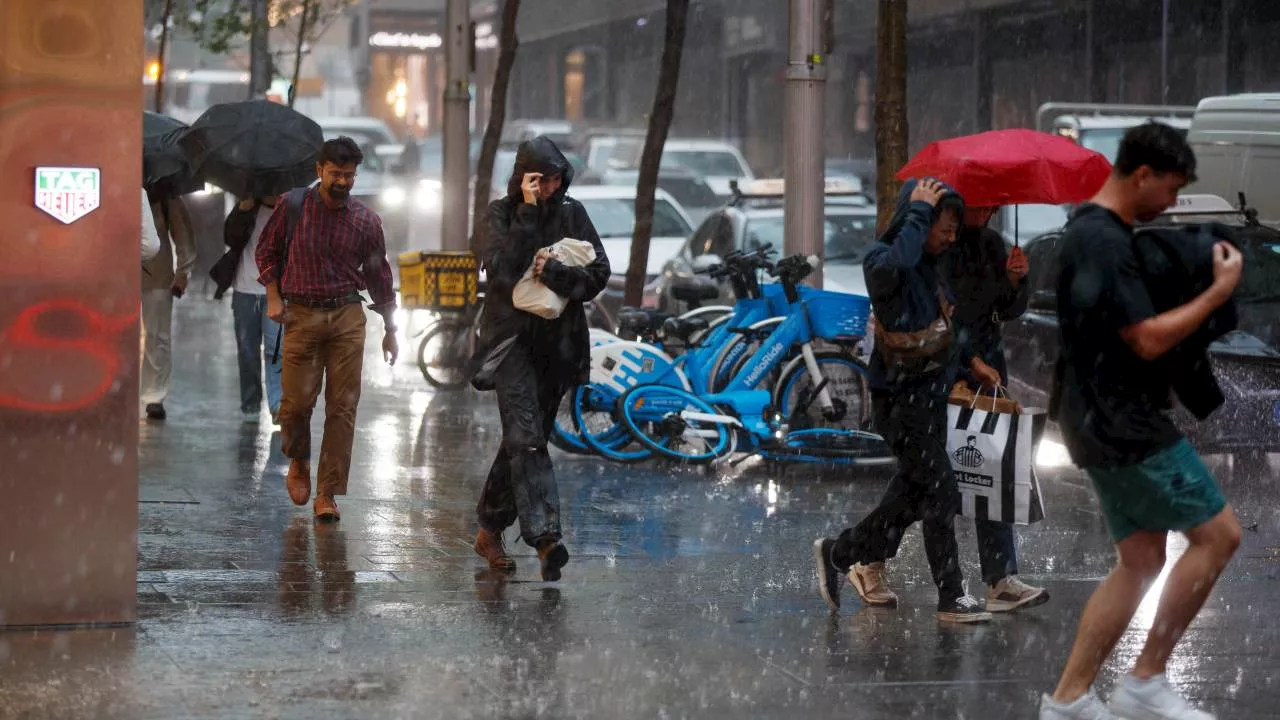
[(1153, 699), (1086, 707), (1012, 594)]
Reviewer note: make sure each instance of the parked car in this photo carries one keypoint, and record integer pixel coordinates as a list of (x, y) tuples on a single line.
[(1236, 139), (561, 132), (1019, 224), (756, 219), (691, 191), (717, 162), (1247, 361), (384, 142), (612, 212)]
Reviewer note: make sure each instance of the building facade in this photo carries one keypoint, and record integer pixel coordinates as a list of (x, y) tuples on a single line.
[(973, 64)]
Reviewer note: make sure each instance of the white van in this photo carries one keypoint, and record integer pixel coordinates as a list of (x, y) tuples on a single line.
[(1237, 144)]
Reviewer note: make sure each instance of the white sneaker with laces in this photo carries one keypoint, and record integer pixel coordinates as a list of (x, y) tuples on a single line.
[(1012, 594), (1086, 707), (1152, 699)]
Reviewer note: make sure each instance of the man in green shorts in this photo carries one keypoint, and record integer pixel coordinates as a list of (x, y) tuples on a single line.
[(1112, 405)]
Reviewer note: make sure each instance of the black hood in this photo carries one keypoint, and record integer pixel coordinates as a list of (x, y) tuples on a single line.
[(540, 155)]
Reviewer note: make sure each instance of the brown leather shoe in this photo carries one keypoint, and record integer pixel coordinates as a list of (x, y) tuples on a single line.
[(553, 556), (298, 482), (489, 546), (326, 509)]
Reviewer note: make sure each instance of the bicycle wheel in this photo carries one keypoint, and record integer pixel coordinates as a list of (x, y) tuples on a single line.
[(564, 434), (832, 446), (676, 423), (444, 355), (596, 418), (846, 384)]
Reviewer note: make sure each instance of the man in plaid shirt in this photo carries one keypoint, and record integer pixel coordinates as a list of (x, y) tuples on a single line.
[(335, 251)]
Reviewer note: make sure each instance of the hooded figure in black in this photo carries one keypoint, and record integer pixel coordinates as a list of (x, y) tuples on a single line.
[(913, 364), (530, 361)]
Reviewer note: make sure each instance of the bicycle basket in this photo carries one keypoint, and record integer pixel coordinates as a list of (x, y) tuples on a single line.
[(834, 315)]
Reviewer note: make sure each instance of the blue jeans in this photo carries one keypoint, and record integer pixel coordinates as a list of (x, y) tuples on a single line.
[(255, 337), (997, 553)]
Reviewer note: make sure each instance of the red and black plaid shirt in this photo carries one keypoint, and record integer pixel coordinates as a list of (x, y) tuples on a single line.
[(332, 254)]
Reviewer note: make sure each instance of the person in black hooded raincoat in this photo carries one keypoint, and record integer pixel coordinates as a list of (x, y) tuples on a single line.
[(915, 360), (530, 361)]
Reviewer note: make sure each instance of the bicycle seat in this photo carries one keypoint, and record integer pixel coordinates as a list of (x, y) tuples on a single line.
[(640, 321), (683, 328), (694, 290)]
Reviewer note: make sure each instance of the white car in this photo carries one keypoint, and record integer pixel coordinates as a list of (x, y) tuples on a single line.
[(612, 212), (385, 143), (715, 161)]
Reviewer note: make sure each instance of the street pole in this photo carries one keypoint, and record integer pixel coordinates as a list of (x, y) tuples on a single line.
[(802, 134), (259, 50), (457, 112)]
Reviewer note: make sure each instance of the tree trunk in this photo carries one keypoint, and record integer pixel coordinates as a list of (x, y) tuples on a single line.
[(161, 61), (664, 102), (891, 105), (508, 41), (259, 50), (297, 52)]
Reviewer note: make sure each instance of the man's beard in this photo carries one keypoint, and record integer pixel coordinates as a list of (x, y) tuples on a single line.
[(339, 192)]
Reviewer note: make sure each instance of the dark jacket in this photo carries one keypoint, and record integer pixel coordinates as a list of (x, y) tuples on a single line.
[(515, 232), (903, 282), (1177, 264), (985, 299)]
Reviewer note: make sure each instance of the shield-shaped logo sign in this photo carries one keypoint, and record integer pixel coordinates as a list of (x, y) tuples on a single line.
[(68, 194)]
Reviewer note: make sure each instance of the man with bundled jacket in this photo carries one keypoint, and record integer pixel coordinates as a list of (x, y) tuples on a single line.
[(530, 361), (914, 363)]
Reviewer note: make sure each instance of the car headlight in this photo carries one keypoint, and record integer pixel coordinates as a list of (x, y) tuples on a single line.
[(208, 189), (428, 194), (394, 196)]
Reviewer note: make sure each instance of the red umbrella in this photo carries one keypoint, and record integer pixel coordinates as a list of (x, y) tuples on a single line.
[(1012, 167)]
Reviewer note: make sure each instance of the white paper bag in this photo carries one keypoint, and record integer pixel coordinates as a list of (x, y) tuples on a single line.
[(532, 296), (993, 459)]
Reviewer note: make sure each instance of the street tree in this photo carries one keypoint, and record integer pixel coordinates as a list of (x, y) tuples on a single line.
[(664, 102), (892, 132), (508, 41)]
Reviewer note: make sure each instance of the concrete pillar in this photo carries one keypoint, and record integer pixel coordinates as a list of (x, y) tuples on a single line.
[(69, 300), (457, 116), (802, 133)]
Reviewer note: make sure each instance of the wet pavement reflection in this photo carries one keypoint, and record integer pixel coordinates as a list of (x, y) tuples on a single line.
[(688, 594)]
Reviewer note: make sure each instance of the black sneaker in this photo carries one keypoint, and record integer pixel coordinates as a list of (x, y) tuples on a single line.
[(963, 609), (155, 411), (829, 576)]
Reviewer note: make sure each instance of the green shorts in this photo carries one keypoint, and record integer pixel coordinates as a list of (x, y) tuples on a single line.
[(1170, 490)]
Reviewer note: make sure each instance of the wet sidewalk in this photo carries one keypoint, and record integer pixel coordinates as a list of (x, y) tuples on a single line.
[(688, 594)]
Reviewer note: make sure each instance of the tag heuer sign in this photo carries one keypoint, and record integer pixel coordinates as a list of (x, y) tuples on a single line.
[(68, 194)]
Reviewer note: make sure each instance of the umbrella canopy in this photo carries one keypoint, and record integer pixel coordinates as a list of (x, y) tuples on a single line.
[(1012, 167), (164, 164), (254, 148)]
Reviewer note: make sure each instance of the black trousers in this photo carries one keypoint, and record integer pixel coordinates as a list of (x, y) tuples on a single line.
[(923, 489), (521, 482)]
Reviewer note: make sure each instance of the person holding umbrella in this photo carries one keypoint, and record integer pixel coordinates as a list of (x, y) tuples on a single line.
[(990, 287), (164, 278), (319, 249)]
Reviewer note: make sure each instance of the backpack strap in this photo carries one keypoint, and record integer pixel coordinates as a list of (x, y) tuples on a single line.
[(293, 215)]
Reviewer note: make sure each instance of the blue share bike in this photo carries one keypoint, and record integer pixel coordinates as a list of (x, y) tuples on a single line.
[(819, 424), (710, 352), (818, 409)]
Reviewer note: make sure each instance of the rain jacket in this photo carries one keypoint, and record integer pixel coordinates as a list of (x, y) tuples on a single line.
[(985, 300), (903, 282), (516, 231)]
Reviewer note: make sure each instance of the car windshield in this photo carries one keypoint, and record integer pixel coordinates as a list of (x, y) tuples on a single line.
[(1105, 142), (1031, 221), (616, 218), (372, 163), (707, 163), (848, 237)]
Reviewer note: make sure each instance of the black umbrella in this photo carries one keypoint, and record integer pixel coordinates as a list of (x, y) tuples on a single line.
[(254, 148), (164, 164)]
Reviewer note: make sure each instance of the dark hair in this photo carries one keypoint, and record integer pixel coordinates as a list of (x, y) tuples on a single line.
[(1162, 148), (341, 150)]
